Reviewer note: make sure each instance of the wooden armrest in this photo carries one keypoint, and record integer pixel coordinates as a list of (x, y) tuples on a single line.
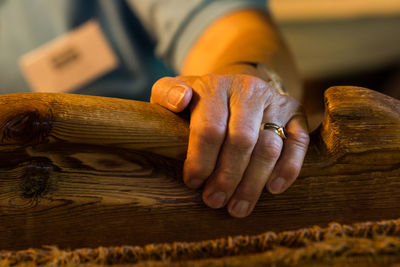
[(84, 171)]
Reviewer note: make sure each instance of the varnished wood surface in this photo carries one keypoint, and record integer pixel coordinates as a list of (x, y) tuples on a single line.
[(81, 171)]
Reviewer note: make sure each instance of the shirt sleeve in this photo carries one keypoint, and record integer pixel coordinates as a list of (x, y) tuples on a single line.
[(175, 25)]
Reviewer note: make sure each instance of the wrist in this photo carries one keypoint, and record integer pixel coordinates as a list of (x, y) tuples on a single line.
[(256, 69)]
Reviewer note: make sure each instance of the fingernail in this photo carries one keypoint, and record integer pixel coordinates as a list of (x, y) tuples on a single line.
[(175, 95), (277, 185), (216, 200), (241, 209), (194, 183)]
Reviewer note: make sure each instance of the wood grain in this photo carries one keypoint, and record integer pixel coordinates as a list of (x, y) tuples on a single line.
[(83, 171)]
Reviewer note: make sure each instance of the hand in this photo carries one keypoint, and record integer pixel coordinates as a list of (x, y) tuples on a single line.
[(227, 152)]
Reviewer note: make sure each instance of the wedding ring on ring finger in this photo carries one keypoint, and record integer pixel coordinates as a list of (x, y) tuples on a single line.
[(279, 130)]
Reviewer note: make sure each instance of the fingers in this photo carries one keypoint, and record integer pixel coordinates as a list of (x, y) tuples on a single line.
[(270, 154), (208, 125), (263, 159), (294, 150), (227, 151), (242, 135), (171, 93)]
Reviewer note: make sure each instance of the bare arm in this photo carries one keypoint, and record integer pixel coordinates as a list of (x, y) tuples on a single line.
[(228, 154), (247, 35)]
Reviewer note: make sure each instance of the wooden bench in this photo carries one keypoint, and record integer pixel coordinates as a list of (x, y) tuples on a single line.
[(84, 171)]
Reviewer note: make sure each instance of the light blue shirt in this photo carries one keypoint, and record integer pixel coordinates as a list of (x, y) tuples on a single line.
[(150, 37)]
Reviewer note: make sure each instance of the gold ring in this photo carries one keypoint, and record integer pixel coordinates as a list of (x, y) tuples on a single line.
[(279, 130)]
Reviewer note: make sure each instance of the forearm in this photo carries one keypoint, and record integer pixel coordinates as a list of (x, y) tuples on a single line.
[(246, 35), (229, 155)]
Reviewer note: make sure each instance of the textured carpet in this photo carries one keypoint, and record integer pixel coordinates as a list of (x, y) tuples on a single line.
[(360, 244)]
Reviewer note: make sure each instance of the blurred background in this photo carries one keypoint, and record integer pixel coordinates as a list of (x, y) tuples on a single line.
[(334, 42), (342, 42)]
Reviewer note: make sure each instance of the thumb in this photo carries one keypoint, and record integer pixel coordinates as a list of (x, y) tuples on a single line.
[(171, 93)]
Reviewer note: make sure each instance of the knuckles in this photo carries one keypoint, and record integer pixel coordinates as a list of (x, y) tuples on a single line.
[(268, 149), (251, 87), (243, 139), (300, 140), (223, 181), (292, 169), (210, 133), (244, 92)]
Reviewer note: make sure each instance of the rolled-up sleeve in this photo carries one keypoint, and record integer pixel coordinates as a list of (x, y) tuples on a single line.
[(175, 25)]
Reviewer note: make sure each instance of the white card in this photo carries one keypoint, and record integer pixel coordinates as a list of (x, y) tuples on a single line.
[(70, 61)]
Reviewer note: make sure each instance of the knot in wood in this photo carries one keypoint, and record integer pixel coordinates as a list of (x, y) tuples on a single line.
[(28, 128), (37, 180)]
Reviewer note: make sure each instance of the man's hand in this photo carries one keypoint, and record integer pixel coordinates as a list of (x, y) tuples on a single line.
[(228, 153)]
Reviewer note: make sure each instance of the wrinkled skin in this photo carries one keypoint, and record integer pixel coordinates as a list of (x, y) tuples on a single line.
[(228, 154)]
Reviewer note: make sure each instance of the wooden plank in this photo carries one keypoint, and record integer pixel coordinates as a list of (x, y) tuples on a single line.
[(83, 171)]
